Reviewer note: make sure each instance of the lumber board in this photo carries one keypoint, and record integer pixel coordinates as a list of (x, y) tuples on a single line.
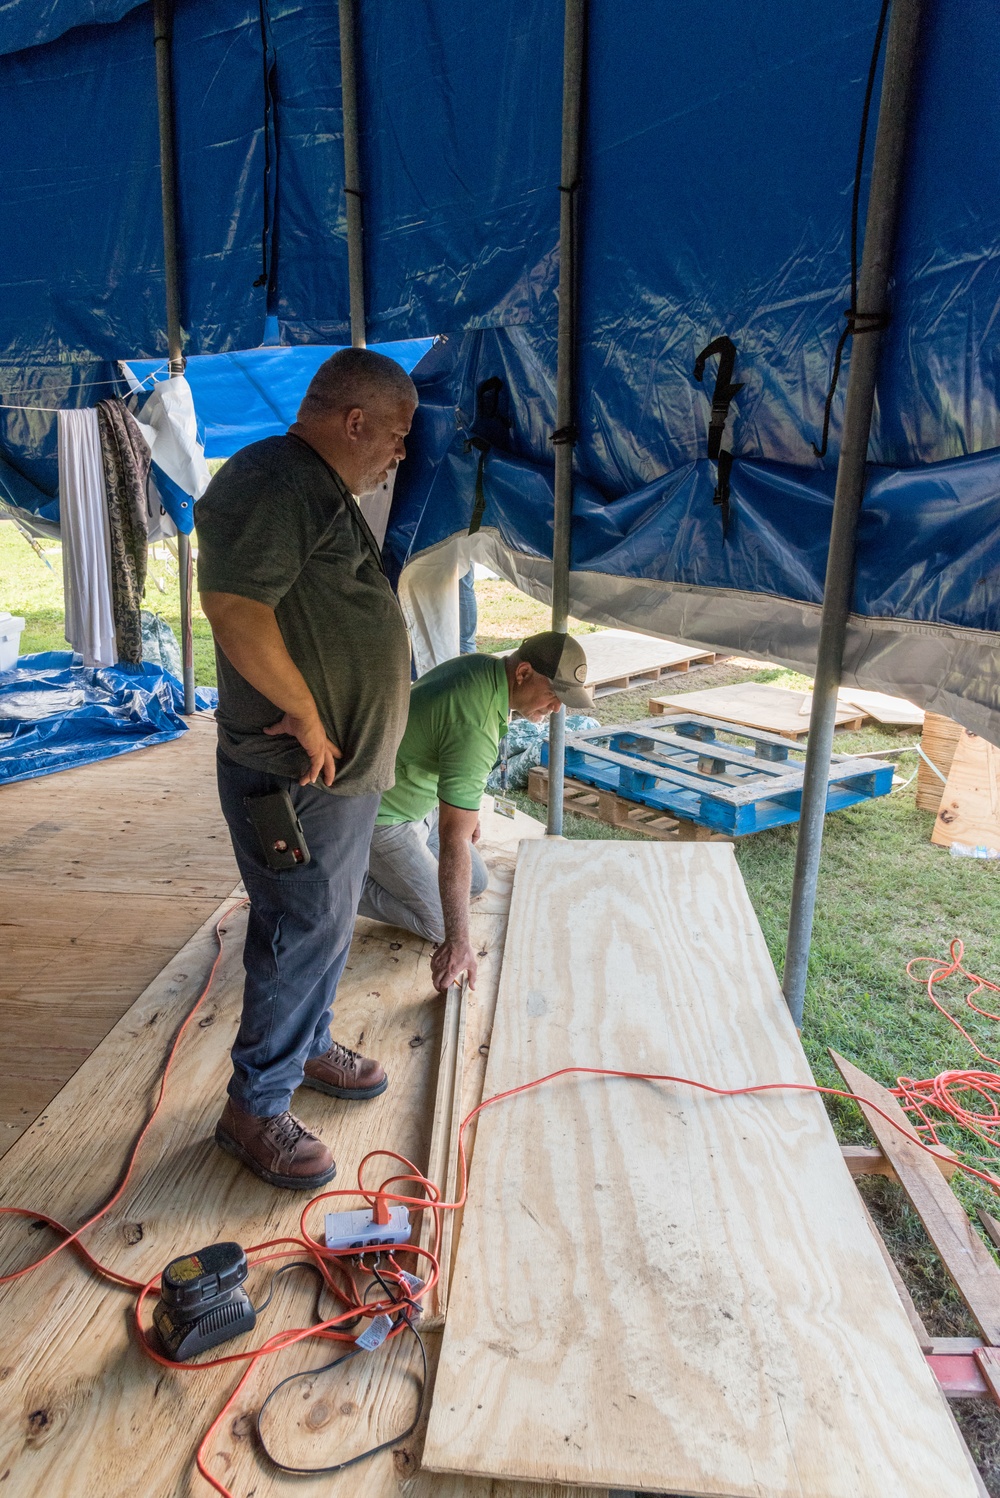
[(970, 803), (754, 704), (442, 1166), (938, 740), (87, 1413), (963, 1253), (655, 1288)]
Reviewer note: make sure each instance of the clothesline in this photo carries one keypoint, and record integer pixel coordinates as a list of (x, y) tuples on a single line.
[(121, 380)]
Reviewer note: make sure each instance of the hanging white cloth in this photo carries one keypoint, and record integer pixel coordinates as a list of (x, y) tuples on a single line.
[(86, 539)]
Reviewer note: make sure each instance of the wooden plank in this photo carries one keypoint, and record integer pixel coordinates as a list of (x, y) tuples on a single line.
[(970, 805), (905, 1298), (443, 1154), (87, 1413), (656, 1288), (938, 741), (863, 1160), (753, 704), (962, 1251)]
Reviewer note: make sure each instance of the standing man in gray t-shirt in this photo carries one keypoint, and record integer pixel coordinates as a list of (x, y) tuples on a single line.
[(314, 675)]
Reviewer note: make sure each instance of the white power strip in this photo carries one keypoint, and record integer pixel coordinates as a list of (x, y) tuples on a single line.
[(358, 1230)]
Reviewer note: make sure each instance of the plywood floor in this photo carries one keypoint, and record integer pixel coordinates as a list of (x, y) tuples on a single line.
[(656, 1288), (86, 1412), (105, 872)]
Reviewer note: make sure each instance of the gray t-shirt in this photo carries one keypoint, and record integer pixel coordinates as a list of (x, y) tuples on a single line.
[(277, 524)]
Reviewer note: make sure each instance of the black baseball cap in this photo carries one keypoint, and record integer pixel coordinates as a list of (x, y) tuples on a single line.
[(561, 658)]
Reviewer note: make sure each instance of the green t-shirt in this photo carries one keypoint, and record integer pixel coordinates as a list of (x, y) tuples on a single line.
[(458, 714), (278, 525)]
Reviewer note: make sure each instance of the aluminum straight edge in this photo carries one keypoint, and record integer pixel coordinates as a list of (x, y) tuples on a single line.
[(569, 182), (876, 265), (352, 170), (162, 42)]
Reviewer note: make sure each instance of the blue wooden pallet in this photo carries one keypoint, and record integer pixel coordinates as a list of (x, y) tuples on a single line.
[(732, 779)]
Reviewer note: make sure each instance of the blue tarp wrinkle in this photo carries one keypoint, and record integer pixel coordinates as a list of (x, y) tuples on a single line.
[(56, 713), (718, 166)]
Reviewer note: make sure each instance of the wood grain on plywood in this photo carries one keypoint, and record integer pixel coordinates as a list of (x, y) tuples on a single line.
[(87, 1413), (969, 811), (618, 655), (106, 871), (654, 1287), (755, 705), (963, 1253)]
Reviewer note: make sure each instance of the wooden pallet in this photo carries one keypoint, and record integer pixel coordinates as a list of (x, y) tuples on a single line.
[(724, 777), (618, 659), (614, 811), (755, 705)]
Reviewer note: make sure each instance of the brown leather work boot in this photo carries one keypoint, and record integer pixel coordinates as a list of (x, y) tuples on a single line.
[(280, 1149), (343, 1073)]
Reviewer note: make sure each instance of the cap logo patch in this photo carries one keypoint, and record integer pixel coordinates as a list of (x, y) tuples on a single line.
[(581, 674)]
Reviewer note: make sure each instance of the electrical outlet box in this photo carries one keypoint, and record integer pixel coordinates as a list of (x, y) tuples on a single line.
[(357, 1230)]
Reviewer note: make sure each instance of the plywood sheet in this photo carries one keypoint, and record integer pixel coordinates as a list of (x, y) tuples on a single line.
[(615, 655), (105, 873), (881, 706), (655, 1288), (970, 805), (85, 1413), (756, 705)]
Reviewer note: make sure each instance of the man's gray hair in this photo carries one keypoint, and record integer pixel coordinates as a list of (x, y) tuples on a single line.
[(355, 377)]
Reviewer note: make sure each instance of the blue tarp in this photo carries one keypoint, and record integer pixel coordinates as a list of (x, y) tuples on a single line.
[(56, 713), (241, 398), (717, 171)]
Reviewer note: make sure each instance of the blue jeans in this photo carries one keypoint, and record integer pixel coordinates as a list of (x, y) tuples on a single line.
[(468, 613), (298, 934), (402, 884)]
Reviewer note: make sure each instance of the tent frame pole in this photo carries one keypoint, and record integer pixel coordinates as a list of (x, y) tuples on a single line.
[(162, 38), (882, 216), (564, 436), (352, 170)]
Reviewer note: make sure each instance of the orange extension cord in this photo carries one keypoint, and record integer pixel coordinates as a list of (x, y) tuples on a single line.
[(939, 1092)]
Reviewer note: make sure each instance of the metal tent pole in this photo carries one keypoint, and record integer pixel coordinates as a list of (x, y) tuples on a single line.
[(876, 264), (352, 170), (162, 36), (564, 435)]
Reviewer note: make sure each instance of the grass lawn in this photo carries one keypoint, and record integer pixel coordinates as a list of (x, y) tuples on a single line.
[(885, 895)]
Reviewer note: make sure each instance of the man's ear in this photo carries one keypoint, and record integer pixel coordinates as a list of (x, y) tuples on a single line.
[(522, 672), (354, 422)]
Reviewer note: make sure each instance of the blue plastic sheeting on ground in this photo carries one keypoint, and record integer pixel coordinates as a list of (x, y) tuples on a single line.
[(928, 539), (56, 713), (241, 398)]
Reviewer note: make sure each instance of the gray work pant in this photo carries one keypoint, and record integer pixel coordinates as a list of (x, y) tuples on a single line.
[(402, 884)]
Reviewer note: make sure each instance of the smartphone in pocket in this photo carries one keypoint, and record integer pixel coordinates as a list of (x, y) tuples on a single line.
[(281, 837)]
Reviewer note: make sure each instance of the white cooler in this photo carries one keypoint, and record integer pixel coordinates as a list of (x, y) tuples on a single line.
[(10, 640)]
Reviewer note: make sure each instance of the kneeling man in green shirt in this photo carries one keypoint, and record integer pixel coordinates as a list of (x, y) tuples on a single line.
[(423, 867)]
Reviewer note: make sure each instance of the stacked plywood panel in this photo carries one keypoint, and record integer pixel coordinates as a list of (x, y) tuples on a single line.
[(938, 741)]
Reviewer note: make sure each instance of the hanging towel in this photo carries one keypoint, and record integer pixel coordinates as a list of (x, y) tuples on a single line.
[(86, 538), (126, 459)]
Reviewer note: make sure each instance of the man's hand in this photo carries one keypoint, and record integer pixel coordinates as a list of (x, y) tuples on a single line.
[(450, 960), (478, 833), (312, 736)]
